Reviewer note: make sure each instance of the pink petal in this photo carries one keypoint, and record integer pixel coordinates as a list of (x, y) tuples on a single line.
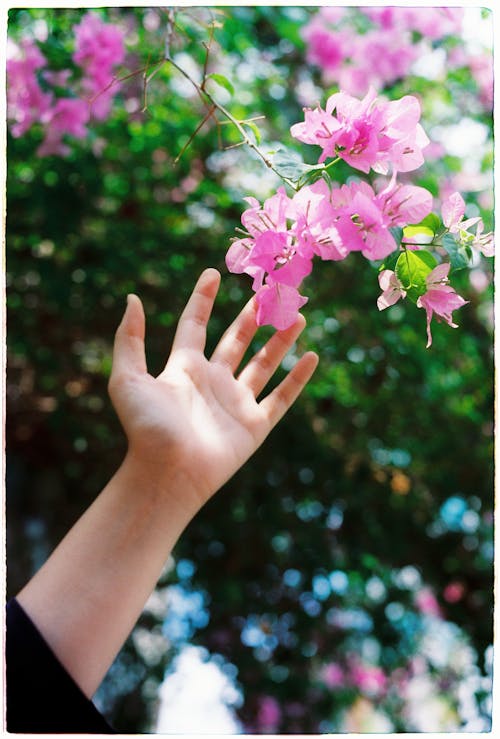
[(453, 210), (237, 255), (278, 305)]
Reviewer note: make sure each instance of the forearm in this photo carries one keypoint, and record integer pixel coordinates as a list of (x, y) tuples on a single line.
[(87, 597)]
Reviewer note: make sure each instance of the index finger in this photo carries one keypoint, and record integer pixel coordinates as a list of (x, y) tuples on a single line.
[(191, 330)]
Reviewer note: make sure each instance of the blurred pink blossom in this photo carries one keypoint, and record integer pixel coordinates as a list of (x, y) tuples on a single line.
[(369, 679), (453, 592), (99, 47), (269, 714), (481, 66), (333, 675), (27, 103)]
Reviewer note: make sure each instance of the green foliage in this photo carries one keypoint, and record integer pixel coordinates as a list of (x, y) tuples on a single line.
[(355, 478), (460, 255)]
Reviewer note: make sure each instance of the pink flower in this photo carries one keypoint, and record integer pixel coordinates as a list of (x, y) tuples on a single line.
[(333, 675), (99, 48), (454, 592), (368, 133), (269, 714), (68, 116), (278, 305), (440, 298), (369, 679), (481, 66), (276, 254), (427, 603), (326, 49), (452, 211), (315, 228), (392, 289), (483, 242), (404, 204), (26, 102)]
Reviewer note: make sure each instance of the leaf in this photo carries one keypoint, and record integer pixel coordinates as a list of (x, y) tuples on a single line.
[(397, 234), (222, 81), (422, 232), (255, 130), (431, 222), (460, 256), (289, 164), (412, 269), (390, 262)]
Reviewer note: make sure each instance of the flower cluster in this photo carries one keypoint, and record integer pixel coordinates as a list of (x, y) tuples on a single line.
[(379, 52), (98, 49), (282, 236), (31, 98), (368, 133)]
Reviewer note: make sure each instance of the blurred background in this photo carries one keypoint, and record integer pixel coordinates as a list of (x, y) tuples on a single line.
[(342, 581)]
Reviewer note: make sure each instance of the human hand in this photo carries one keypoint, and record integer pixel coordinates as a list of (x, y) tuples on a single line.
[(199, 420)]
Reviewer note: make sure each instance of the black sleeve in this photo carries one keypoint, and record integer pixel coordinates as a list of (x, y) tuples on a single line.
[(41, 696)]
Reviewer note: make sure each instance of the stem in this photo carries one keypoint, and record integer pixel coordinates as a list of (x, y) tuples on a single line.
[(204, 94), (330, 164), (200, 125)]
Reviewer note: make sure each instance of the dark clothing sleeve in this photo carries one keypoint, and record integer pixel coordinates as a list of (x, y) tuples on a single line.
[(41, 696)]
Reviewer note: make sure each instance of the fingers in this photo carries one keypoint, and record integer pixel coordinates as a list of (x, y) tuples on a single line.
[(263, 365), (276, 404), (192, 327), (128, 351), (236, 339)]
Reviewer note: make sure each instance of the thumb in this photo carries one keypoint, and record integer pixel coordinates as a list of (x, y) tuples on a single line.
[(128, 351)]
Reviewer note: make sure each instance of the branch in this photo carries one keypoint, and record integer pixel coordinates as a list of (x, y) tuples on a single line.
[(207, 97)]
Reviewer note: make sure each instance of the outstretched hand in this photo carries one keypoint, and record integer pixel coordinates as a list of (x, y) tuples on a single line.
[(200, 419)]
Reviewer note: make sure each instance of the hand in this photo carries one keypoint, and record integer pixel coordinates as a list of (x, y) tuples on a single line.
[(198, 420)]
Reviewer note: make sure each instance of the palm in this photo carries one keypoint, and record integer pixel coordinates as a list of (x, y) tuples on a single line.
[(196, 414)]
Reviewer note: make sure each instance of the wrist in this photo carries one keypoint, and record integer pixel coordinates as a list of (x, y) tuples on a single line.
[(163, 484)]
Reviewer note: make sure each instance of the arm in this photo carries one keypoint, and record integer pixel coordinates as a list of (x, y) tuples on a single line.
[(189, 430)]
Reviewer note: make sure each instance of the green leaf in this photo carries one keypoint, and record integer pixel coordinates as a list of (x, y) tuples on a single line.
[(431, 222), (397, 234), (222, 81), (411, 232), (289, 164), (390, 262), (460, 256), (255, 130), (412, 268)]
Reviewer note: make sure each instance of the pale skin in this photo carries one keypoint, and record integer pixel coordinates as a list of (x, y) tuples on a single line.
[(189, 430)]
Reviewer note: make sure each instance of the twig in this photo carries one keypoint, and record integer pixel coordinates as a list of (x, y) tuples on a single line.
[(200, 125), (203, 92)]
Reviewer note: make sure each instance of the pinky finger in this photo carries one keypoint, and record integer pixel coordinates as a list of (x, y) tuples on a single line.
[(276, 404)]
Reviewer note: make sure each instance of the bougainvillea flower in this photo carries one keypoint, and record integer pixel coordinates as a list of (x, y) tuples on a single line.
[(99, 47), (484, 242), (276, 254), (315, 216), (272, 216), (452, 211), (368, 133), (26, 102), (440, 298), (361, 223), (278, 305), (405, 204), (392, 289)]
